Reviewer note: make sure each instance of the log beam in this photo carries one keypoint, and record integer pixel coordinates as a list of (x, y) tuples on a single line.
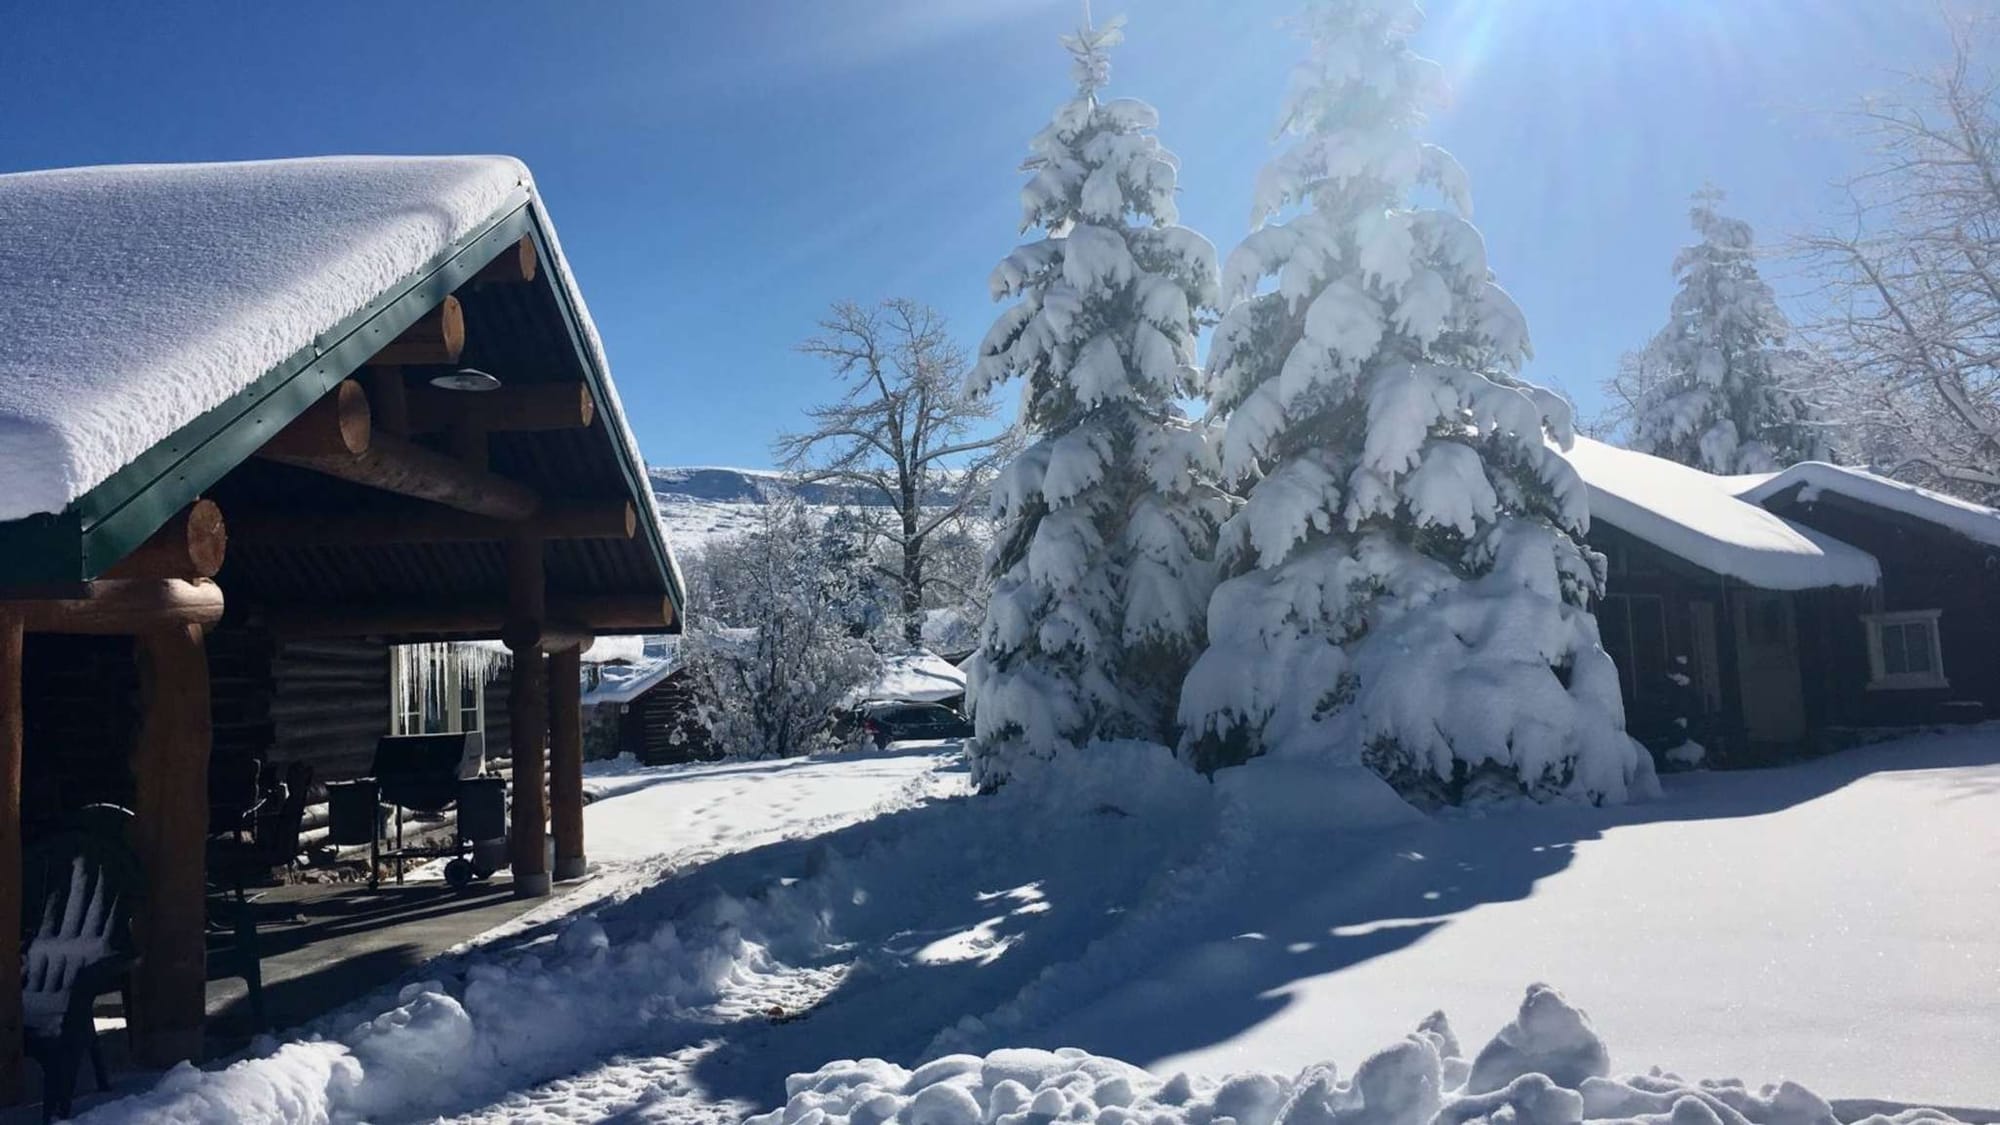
[(339, 424), (615, 519), (407, 469), (514, 266), (190, 545), (170, 827), (438, 338), (10, 856), (599, 616), (337, 436), (389, 398), (528, 718), (122, 606), (546, 636), (532, 408)]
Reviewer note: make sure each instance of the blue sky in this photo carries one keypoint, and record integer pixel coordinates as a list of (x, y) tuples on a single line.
[(721, 172)]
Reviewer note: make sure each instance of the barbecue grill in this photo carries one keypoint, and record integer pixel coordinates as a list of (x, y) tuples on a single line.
[(427, 773)]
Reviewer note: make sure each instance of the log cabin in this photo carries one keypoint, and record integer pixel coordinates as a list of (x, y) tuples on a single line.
[(1767, 615), (259, 424)]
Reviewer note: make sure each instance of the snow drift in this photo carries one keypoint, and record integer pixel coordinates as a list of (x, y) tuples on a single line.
[(1547, 1067)]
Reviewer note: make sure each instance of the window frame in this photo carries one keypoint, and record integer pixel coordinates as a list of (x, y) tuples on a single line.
[(1879, 678), (451, 709)]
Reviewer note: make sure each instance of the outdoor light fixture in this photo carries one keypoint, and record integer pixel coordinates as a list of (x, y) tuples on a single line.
[(466, 379)]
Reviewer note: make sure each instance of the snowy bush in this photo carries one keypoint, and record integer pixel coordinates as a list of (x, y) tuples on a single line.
[(1105, 520), (1547, 1067), (1407, 578), (1717, 388), (769, 685)]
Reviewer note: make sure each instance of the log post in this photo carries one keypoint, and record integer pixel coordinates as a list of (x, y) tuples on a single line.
[(10, 857), (566, 760), (170, 768), (528, 716)]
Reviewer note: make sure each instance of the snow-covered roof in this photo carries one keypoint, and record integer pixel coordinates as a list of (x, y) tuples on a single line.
[(918, 677), (1962, 517), (1698, 517), (623, 683), (141, 296)]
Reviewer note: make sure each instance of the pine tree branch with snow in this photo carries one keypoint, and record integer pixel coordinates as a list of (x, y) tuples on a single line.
[(1408, 584), (1100, 564), (1720, 388)]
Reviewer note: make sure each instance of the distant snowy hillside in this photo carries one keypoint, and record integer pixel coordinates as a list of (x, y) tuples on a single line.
[(704, 502)]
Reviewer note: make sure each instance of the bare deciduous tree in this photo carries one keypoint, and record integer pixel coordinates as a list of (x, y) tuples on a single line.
[(1911, 326), (905, 429)]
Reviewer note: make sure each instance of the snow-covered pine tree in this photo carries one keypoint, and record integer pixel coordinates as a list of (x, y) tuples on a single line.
[(1408, 583), (1105, 522), (1716, 388)]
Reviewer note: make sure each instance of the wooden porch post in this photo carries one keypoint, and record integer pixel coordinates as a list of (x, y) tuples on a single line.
[(566, 759), (10, 858), (528, 715), (170, 768)]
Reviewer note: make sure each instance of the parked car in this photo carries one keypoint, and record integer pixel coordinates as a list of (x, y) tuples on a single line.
[(883, 723)]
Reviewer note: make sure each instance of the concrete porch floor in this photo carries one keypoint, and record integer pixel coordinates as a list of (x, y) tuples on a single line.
[(322, 946)]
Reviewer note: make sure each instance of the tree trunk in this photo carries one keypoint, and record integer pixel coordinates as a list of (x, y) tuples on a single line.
[(913, 571)]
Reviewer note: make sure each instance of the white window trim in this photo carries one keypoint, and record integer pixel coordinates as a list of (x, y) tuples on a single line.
[(1878, 679)]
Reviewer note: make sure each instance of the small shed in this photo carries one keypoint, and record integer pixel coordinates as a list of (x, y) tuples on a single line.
[(260, 422), (646, 708)]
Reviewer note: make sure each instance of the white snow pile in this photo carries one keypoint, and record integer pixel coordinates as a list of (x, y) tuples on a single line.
[(1547, 1067), (467, 1039), (214, 273), (1697, 516)]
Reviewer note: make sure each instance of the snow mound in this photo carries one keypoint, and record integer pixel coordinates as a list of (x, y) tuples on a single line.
[(1547, 1067), (469, 1038)]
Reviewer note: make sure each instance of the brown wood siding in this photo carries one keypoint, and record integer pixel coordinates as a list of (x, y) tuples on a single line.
[(1923, 567), (661, 725), (79, 719), (329, 705)]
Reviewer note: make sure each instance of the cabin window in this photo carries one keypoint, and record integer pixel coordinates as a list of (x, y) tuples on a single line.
[(1903, 650), (435, 689)]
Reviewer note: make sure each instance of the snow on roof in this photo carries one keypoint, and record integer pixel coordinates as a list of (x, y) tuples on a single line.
[(1696, 516), (1973, 521), (623, 683), (141, 296), (918, 677)]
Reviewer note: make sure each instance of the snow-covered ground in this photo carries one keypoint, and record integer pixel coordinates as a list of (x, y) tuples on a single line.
[(1834, 923)]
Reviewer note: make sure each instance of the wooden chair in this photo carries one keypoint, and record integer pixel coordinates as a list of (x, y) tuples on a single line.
[(79, 885)]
